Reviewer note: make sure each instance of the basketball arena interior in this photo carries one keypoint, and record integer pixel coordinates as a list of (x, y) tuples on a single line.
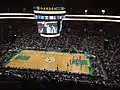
[(55, 45)]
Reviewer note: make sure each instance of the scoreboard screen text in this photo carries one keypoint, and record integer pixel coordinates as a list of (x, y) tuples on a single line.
[(49, 8)]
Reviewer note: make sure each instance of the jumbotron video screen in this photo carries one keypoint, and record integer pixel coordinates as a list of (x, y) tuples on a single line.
[(50, 27)]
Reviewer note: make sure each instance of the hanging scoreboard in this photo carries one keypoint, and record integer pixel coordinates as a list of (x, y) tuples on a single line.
[(49, 20)]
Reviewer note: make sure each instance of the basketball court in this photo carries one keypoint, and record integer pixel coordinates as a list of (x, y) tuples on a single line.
[(51, 61)]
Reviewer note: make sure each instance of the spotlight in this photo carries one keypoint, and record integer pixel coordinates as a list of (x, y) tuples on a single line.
[(38, 7), (103, 11), (15, 35), (86, 11)]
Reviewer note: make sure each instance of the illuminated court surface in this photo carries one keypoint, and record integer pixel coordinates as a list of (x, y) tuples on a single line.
[(50, 61)]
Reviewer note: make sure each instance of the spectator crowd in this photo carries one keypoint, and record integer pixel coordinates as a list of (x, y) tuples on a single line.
[(106, 47)]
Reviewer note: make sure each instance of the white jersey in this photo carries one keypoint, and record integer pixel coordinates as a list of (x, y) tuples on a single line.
[(54, 29), (48, 29), (40, 30)]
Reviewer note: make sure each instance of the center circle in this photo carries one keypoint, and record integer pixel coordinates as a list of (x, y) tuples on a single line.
[(50, 59)]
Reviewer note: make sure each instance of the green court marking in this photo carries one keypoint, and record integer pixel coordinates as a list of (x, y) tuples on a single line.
[(91, 70), (12, 56), (82, 62), (74, 62), (11, 60), (22, 57), (17, 56), (88, 63)]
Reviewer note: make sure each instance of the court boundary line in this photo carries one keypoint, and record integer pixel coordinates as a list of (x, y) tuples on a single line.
[(18, 53), (11, 59)]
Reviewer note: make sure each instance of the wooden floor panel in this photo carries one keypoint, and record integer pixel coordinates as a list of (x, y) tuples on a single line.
[(38, 61)]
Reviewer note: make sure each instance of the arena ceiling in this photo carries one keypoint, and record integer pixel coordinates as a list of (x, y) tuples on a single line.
[(78, 4), (81, 4), (111, 6)]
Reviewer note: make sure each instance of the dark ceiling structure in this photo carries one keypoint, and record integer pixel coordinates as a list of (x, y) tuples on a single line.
[(81, 4), (111, 6)]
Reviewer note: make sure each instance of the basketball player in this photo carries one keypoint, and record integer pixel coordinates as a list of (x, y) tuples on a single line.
[(40, 30), (80, 58), (57, 67), (47, 28), (70, 62), (53, 29), (77, 61), (80, 61), (67, 66)]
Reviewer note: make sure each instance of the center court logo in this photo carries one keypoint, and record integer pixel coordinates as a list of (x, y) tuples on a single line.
[(50, 59)]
